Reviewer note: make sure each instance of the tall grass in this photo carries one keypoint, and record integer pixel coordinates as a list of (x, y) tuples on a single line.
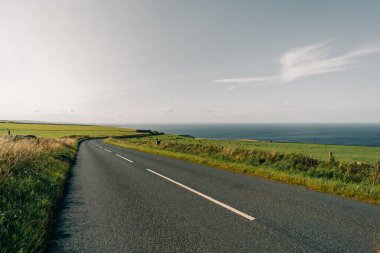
[(32, 176), (347, 178)]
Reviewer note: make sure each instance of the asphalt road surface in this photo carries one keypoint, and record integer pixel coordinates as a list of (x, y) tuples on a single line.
[(120, 200)]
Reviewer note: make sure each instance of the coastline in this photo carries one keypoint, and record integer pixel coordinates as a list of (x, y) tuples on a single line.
[(345, 134)]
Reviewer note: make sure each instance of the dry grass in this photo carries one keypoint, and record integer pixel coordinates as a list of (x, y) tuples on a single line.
[(32, 177), (14, 152)]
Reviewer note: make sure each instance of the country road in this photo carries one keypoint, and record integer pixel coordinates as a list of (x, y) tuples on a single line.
[(120, 200)]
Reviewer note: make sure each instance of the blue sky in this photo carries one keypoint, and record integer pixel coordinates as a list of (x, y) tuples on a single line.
[(190, 61)]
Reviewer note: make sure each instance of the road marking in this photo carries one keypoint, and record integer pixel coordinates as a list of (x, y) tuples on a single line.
[(124, 158), (206, 197), (108, 150)]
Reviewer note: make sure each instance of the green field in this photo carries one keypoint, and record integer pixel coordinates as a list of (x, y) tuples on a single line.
[(351, 171), (317, 151), (59, 130)]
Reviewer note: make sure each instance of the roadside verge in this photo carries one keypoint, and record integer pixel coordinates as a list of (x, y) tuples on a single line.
[(339, 178), (32, 178)]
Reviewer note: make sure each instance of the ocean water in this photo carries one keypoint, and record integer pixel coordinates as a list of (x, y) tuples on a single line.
[(340, 134)]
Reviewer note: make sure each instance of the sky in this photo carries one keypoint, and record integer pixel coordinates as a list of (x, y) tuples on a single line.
[(161, 61)]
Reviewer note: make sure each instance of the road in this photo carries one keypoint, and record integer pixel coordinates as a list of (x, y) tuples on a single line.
[(120, 200)]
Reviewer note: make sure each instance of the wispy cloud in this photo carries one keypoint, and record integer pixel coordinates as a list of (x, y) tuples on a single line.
[(178, 102), (166, 109), (307, 61), (248, 79), (67, 110)]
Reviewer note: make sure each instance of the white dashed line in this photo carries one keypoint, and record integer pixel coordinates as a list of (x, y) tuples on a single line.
[(205, 196), (189, 189), (122, 157)]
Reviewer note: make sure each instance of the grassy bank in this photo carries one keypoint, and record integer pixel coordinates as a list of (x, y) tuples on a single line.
[(317, 170), (32, 177), (33, 173)]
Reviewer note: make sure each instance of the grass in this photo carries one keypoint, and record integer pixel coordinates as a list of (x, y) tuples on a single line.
[(32, 177), (317, 151), (345, 176), (59, 130), (33, 173)]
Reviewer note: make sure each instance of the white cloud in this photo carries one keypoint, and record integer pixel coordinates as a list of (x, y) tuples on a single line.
[(178, 102), (307, 61), (248, 79), (67, 110), (166, 109), (204, 110)]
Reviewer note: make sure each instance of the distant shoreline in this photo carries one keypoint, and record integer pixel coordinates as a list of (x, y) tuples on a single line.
[(367, 135), (250, 140)]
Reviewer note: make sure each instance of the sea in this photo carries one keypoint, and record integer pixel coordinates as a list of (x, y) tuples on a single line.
[(338, 134)]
